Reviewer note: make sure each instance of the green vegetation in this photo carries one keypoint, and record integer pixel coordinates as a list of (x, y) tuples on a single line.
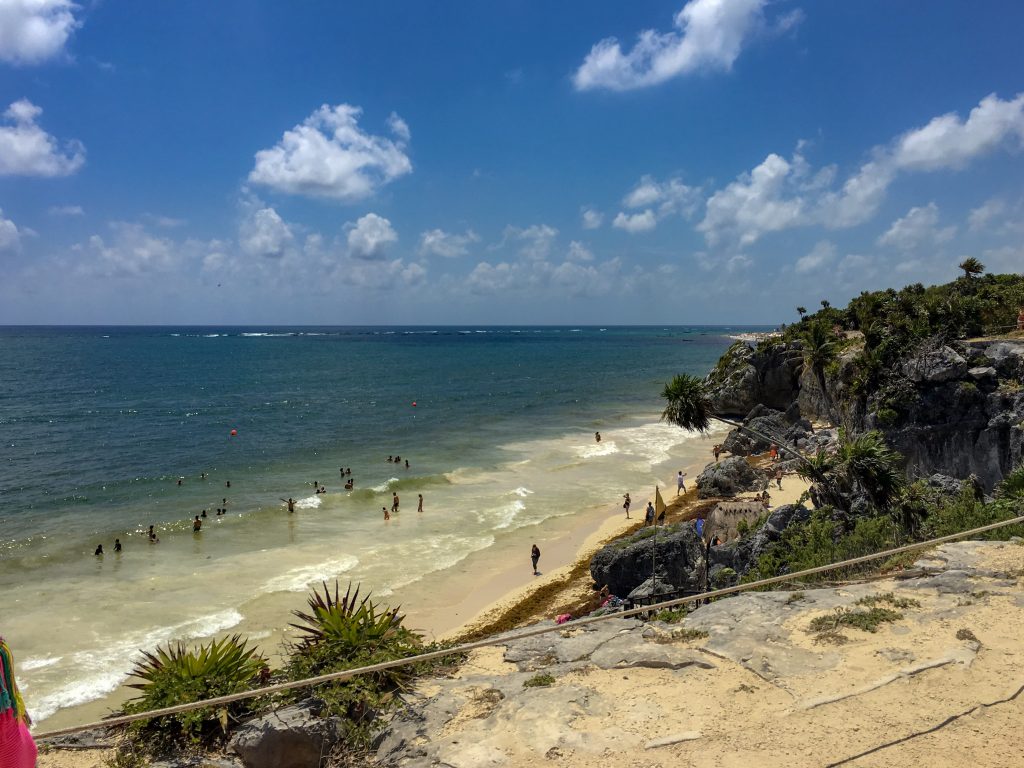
[(179, 675), (671, 615), (337, 632), (539, 681), (872, 601), (868, 621)]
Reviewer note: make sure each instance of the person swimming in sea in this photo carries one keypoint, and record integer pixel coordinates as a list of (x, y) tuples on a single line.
[(203, 515), (349, 484), (290, 503), (597, 437), (117, 545), (152, 536), (99, 550), (197, 525)]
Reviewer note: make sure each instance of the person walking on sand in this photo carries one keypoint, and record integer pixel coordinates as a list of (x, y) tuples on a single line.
[(649, 514), (716, 450), (680, 483), (535, 558), (778, 477), (394, 501), (419, 502), (625, 505)]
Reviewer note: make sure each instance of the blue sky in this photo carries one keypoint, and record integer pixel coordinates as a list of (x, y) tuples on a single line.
[(711, 161)]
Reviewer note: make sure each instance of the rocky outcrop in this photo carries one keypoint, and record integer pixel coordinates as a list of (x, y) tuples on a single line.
[(675, 554), (727, 478), (765, 426), (291, 737), (746, 376), (742, 554), (960, 411)]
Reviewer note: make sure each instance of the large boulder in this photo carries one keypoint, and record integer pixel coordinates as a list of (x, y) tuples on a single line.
[(727, 478), (746, 376), (675, 553), (935, 366), (291, 737)]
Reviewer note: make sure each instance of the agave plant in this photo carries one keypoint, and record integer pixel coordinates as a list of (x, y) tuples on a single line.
[(178, 674), (347, 625)]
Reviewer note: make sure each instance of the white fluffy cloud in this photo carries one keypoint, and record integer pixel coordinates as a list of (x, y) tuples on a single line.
[(264, 233), (28, 150), (369, 238), (450, 245), (535, 241), (988, 211), (920, 227), (947, 142), (327, 155), (384, 275), (644, 221), (821, 254), (568, 278), (130, 252), (10, 237), (579, 252), (32, 31), (592, 219), (708, 34), (754, 204), (780, 194), (666, 197)]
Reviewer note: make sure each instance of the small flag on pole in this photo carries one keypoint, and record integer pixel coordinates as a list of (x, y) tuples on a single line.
[(659, 504)]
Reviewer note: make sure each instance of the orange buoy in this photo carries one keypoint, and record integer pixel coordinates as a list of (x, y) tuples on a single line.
[(234, 432)]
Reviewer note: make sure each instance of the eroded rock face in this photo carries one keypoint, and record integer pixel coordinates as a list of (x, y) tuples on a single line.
[(746, 377), (727, 478), (934, 366), (676, 555), (291, 737)]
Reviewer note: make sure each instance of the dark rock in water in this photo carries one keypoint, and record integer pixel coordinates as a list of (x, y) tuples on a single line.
[(727, 478), (291, 737), (625, 564)]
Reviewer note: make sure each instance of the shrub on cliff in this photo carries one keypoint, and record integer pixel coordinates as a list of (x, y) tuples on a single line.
[(180, 675)]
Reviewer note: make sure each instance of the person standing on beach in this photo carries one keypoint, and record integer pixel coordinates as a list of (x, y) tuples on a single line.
[(419, 503), (778, 477), (625, 505), (680, 483), (649, 515), (535, 558), (716, 450), (394, 501)]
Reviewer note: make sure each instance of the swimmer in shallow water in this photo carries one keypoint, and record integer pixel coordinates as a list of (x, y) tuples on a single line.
[(99, 550), (152, 536)]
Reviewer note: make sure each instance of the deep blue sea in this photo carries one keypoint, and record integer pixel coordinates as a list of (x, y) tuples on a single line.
[(98, 425)]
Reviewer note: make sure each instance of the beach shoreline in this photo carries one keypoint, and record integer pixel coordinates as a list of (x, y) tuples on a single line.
[(445, 604)]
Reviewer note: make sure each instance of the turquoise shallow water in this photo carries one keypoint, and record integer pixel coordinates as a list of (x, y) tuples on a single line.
[(98, 424)]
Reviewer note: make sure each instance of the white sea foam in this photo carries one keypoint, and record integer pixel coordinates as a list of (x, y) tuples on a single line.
[(522, 492), (297, 579), (310, 502), (505, 515), (590, 450), (385, 486), (29, 664), (96, 672)]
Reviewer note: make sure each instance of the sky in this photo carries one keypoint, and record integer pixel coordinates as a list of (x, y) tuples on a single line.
[(508, 162)]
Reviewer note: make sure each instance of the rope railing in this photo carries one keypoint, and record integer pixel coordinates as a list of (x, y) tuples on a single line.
[(506, 638)]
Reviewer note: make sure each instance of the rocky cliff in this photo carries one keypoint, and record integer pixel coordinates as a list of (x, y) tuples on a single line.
[(955, 408)]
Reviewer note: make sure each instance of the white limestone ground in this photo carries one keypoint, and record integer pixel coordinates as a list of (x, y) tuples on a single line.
[(760, 689)]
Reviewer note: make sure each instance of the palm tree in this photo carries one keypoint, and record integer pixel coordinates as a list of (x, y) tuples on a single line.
[(801, 311), (862, 464), (819, 351), (825, 303), (971, 267)]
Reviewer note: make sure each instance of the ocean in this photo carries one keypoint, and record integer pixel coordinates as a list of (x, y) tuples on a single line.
[(106, 431)]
